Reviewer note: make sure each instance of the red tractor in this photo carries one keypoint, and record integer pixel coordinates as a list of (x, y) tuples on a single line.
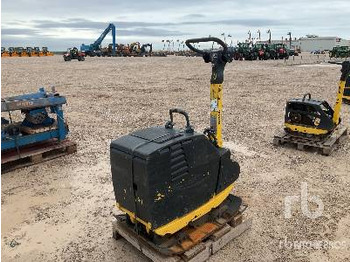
[(73, 53), (282, 52)]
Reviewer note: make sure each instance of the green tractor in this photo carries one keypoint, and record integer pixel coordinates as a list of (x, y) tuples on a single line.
[(271, 52), (241, 50), (252, 54), (340, 52), (244, 50)]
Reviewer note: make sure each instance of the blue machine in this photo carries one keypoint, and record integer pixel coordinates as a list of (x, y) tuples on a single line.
[(34, 106), (96, 46)]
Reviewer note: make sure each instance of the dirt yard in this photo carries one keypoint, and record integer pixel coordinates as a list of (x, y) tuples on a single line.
[(61, 210)]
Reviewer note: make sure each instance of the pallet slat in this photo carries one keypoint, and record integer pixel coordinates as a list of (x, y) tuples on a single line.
[(35, 153), (199, 253), (326, 146)]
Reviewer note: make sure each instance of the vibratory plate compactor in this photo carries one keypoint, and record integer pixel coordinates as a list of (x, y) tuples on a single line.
[(314, 123), (174, 185)]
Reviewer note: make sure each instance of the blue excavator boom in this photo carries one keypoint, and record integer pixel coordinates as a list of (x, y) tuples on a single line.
[(96, 46)]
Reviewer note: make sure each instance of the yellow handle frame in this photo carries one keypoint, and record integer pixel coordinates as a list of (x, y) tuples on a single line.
[(339, 102), (216, 111)]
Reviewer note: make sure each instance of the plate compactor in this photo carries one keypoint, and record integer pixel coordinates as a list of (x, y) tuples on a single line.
[(315, 121), (167, 179), (346, 97)]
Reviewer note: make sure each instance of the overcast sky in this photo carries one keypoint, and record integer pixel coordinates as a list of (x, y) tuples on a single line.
[(59, 24)]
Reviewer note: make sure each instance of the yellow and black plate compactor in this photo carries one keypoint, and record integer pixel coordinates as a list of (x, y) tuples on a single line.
[(311, 122), (346, 97), (170, 181)]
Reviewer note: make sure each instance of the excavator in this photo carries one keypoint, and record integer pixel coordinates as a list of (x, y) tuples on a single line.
[(146, 50), (95, 48), (171, 181), (134, 49)]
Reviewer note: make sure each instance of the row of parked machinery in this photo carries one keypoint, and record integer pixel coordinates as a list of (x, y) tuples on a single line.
[(134, 49), (340, 52), (262, 51), (25, 52)]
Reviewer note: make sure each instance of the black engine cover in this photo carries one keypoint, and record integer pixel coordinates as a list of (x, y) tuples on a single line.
[(161, 173)]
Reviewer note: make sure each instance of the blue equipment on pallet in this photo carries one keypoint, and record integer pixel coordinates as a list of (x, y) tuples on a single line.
[(37, 126), (95, 47)]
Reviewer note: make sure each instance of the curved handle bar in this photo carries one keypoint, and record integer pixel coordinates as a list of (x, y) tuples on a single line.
[(170, 124), (308, 94), (189, 43)]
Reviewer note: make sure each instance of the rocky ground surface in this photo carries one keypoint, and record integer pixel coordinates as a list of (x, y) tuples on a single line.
[(61, 210)]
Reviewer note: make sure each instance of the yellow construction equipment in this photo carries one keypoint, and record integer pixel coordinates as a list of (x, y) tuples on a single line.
[(46, 52), (12, 52), (20, 51), (170, 180), (314, 123), (4, 52)]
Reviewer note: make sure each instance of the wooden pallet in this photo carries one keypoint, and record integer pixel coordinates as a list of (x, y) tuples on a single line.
[(202, 251), (326, 145), (35, 153)]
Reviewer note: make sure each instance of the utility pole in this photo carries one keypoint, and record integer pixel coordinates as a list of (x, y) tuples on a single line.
[(231, 39), (290, 40), (223, 34), (269, 32)]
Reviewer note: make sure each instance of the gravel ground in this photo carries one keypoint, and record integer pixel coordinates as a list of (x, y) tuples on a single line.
[(61, 210)]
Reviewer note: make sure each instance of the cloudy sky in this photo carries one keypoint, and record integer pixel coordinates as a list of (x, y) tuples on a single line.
[(59, 24)]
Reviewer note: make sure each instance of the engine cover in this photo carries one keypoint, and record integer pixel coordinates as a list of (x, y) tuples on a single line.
[(161, 174)]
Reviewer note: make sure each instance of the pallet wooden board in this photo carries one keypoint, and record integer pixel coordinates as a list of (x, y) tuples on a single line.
[(36, 153), (199, 253), (326, 145)]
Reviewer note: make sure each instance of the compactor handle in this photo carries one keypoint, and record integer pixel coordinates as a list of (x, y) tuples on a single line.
[(308, 94), (170, 124), (189, 43)]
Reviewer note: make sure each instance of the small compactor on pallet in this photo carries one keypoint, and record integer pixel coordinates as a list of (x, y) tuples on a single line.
[(346, 97), (314, 123), (174, 185), (39, 136)]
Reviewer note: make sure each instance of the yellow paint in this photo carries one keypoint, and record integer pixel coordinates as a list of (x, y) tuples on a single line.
[(183, 221), (132, 216), (306, 130), (216, 112), (339, 102)]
